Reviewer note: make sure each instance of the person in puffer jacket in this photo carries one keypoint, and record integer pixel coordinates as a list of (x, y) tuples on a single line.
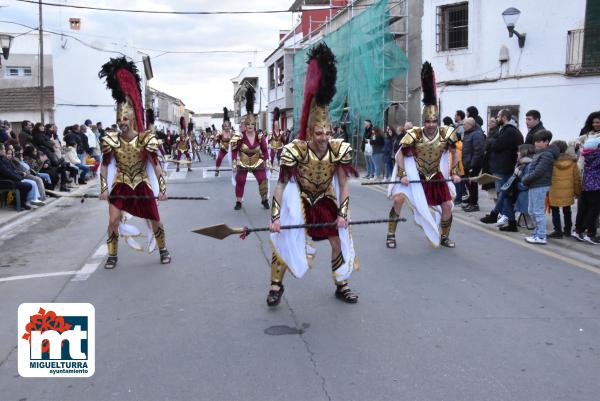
[(566, 186), (538, 180), (589, 205)]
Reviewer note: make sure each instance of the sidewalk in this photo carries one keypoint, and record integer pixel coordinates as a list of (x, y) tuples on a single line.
[(8, 214), (570, 245)]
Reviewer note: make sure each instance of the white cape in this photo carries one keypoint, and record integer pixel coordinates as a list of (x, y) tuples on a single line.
[(428, 218), (292, 246)]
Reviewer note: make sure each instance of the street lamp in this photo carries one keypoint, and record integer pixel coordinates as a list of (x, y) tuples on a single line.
[(5, 42), (511, 16)]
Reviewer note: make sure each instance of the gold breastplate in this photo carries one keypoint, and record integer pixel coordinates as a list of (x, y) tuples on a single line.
[(250, 158), (315, 176), (225, 143), (276, 142), (131, 169), (429, 154), (183, 145)]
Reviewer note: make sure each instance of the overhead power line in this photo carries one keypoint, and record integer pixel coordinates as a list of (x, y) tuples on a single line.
[(122, 10)]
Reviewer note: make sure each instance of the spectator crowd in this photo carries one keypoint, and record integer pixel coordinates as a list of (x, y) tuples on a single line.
[(536, 175), (36, 158)]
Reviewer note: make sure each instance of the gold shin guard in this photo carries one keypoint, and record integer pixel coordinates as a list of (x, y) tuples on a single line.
[(336, 263), (392, 224), (159, 235), (263, 189), (113, 244), (445, 227), (277, 271)]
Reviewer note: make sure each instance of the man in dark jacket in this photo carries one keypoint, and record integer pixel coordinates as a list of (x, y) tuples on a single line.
[(534, 124), (472, 158), (503, 158), (8, 172), (25, 134)]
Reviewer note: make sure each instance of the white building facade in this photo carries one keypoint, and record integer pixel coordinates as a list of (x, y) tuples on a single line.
[(477, 64), (280, 78), (257, 77)]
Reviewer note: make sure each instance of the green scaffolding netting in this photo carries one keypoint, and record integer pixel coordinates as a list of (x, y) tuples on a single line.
[(367, 59)]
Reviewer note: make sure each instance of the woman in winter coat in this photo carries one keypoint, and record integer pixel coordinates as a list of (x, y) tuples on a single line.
[(588, 208), (566, 185)]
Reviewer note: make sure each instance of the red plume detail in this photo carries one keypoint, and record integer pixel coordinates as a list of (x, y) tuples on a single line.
[(129, 86), (311, 86)]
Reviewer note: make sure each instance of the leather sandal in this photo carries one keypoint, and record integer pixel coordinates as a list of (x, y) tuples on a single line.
[(391, 241), (111, 262), (165, 256), (274, 297), (344, 293)]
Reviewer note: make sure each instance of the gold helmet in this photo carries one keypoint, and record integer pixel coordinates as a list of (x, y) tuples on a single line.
[(430, 108)]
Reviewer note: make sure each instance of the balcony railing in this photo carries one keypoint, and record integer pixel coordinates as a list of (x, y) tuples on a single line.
[(583, 51)]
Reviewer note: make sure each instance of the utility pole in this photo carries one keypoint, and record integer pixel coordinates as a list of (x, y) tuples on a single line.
[(41, 73)]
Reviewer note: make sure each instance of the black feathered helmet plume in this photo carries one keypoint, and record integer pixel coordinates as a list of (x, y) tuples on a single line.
[(319, 89), (123, 80), (430, 108), (250, 98), (276, 115), (225, 117)]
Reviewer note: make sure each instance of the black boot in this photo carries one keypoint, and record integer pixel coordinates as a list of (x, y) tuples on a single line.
[(510, 227), (238, 206), (556, 234), (490, 218), (265, 204)]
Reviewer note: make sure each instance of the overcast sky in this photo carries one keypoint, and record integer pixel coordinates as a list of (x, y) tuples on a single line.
[(202, 81)]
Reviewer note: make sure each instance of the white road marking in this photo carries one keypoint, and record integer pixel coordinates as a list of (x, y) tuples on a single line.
[(86, 271), (100, 252), (176, 175), (40, 275)]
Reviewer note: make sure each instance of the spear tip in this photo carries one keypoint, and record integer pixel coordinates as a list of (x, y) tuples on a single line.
[(219, 231)]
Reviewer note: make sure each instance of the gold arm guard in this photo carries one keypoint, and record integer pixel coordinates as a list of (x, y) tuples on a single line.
[(162, 184), (343, 209), (275, 210), (103, 184)]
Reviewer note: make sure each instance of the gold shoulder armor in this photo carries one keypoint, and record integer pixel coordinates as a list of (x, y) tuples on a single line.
[(149, 141), (449, 134), (412, 136), (342, 151), (293, 153), (110, 141), (235, 139)]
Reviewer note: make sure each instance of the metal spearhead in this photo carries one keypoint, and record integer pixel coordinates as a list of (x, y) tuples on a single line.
[(219, 231), (484, 179)]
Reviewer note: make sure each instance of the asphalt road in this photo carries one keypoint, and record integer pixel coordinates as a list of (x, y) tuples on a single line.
[(493, 319)]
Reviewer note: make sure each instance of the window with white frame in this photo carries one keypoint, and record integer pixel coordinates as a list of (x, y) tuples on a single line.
[(453, 26), (18, 71)]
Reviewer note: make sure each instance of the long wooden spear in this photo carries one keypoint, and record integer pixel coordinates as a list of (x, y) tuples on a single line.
[(221, 231), (96, 196), (482, 180)]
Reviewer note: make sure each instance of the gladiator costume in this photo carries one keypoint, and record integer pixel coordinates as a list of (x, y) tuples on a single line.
[(184, 146), (426, 160), (250, 157), (132, 166), (276, 138), (309, 191), (222, 140)]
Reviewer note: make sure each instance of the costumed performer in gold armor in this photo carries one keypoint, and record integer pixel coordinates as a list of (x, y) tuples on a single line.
[(276, 138), (130, 161), (424, 156), (222, 140), (249, 154), (313, 188)]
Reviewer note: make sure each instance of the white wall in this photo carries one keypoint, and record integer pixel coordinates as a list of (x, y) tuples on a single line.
[(79, 93), (564, 102)]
